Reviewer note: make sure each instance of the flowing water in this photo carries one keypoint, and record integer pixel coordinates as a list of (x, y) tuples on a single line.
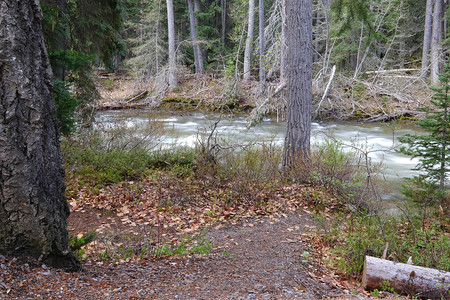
[(185, 129)]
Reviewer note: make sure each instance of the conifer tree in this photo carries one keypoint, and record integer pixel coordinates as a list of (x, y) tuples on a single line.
[(433, 149)]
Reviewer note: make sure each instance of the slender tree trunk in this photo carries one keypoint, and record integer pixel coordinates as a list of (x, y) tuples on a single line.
[(317, 33), (262, 46), (59, 72), (326, 59), (173, 82), (426, 39), (298, 78), (223, 5), (283, 43), (248, 42), (201, 52), (197, 54), (33, 209), (436, 38)]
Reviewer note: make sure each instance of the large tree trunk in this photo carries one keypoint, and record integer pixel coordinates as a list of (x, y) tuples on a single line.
[(173, 82), (298, 78), (426, 39), (33, 209), (405, 278), (262, 46), (198, 60), (249, 40), (436, 49)]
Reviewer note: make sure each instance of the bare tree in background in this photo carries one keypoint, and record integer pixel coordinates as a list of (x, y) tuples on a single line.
[(262, 46), (436, 38), (249, 40), (198, 59), (173, 82), (427, 39)]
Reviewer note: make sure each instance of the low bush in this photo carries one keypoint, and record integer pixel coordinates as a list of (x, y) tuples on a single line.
[(427, 241), (89, 164)]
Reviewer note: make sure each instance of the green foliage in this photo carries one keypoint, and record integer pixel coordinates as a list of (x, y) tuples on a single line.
[(433, 149), (93, 164), (341, 172), (65, 106), (186, 246), (76, 243), (351, 10), (147, 36), (427, 241), (95, 27), (76, 33)]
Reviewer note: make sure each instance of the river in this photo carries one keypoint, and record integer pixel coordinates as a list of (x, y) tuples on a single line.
[(185, 128)]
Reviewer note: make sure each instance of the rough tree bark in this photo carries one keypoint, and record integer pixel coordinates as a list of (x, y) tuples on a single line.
[(249, 40), (426, 39), (33, 209), (435, 42), (198, 60), (173, 82), (262, 46), (298, 78)]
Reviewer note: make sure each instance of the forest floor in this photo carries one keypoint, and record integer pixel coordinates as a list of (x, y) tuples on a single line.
[(235, 251)]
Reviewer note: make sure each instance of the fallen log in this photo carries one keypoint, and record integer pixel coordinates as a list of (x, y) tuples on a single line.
[(391, 71), (137, 96), (407, 279)]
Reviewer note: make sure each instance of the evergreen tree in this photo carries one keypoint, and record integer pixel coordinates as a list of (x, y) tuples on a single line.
[(433, 150), (76, 33)]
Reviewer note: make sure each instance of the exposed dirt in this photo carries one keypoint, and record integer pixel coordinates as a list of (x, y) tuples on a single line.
[(264, 258)]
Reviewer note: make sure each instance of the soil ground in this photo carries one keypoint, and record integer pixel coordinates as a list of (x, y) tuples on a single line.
[(262, 258)]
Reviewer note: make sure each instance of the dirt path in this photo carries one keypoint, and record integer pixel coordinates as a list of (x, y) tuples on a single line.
[(261, 259)]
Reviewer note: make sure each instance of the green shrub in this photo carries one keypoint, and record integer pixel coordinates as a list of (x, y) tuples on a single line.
[(426, 241), (89, 162)]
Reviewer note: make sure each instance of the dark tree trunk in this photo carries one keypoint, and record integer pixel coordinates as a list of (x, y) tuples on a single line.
[(298, 78), (60, 72), (33, 209)]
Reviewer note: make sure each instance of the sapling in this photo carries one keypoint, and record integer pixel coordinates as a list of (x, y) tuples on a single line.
[(433, 149)]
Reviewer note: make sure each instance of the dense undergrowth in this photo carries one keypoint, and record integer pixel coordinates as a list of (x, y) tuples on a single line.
[(249, 177)]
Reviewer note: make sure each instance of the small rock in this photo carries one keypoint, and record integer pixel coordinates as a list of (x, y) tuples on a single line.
[(48, 273), (3, 267)]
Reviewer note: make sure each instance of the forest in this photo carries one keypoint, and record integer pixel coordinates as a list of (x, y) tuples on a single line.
[(224, 149)]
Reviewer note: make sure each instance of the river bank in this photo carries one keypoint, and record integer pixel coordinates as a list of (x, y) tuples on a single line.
[(347, 99)]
